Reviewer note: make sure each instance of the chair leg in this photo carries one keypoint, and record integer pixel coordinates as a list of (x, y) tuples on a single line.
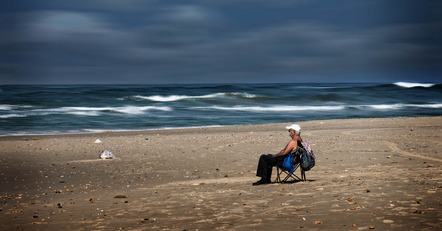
[(278, 177), (279, 171), (303, 178)]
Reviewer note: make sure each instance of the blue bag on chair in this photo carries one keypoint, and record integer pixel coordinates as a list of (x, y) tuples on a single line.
[(288, 163)]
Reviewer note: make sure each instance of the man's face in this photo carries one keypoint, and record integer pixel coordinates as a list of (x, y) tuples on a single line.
[(292, 133)]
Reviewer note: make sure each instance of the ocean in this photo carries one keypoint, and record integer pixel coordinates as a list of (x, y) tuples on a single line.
[(61, 109)]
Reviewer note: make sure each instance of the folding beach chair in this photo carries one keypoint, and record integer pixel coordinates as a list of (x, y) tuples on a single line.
[(289, 176), (308, 162)]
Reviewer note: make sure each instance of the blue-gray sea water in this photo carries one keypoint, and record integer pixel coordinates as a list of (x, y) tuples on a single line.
[(59, 109)]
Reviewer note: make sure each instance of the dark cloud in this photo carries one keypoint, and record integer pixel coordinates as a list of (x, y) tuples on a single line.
[(218, 41)]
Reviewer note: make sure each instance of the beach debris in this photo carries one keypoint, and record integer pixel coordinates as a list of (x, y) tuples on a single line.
[(106, 154), (120, 196), (388, 221), (97, 141), (318, 222)]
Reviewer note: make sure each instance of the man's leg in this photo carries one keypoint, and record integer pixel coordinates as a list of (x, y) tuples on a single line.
[(265, 166)]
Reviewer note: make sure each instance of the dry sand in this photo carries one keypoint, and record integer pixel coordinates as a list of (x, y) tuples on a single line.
[(382, 174)]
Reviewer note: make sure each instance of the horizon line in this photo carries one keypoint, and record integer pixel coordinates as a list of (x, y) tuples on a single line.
[(220, 83)]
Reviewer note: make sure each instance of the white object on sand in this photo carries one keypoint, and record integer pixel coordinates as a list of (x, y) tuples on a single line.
[(97, 141), (106, 154)]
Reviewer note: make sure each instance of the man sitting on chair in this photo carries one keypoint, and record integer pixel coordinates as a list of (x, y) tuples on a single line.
[(267, 161)]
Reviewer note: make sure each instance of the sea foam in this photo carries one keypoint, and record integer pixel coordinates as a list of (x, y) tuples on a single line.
[(171, 98), (398, 106), (134, 110), (385, 106), (286, 108), (82, 111), (280, 108), (11, 116), (93, 111), (411, 85), (5, 107)]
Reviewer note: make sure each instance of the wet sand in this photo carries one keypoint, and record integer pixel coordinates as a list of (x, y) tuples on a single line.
[(382, 174)]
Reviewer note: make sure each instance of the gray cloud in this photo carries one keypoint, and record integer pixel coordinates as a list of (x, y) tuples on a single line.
[(202, 42)]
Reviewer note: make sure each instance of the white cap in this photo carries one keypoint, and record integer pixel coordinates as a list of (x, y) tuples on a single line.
[(295, 127)]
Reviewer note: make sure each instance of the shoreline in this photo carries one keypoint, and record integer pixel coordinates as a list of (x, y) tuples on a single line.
[(382, 173), (99, 131), (128, 132)]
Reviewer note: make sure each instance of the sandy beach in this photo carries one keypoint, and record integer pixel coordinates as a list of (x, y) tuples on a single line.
[(381, 174)]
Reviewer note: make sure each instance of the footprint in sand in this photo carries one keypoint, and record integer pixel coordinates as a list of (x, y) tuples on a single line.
[(395, 149)]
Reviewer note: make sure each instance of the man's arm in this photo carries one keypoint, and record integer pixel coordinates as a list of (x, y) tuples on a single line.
[(288, 148)]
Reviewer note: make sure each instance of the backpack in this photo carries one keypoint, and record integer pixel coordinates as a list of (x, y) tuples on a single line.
[(306, 156)]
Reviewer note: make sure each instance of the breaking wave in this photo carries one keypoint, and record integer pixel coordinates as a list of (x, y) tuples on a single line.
[(396, 106), (11, 116), (7, 107), (274, 108), (171, 98), (133, 110), (411, 85), (287, 108), (86, 111)]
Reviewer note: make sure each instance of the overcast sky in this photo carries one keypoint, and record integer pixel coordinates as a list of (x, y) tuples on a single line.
[(219, 41)]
